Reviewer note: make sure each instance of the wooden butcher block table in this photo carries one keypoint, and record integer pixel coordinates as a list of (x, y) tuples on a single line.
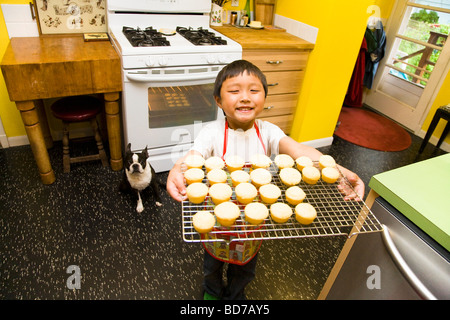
[(37, 68)]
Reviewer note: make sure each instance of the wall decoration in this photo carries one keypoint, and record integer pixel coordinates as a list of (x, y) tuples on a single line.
[(71, 16)]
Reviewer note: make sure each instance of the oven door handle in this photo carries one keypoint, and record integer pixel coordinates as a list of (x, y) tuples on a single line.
[(419, 287), (170, 78)]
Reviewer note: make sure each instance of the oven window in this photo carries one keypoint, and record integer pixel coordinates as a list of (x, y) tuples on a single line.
[(180, 105)]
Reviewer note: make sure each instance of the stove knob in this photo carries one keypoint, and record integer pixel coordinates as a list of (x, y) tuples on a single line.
[(150, 62), (162, 61), (223, 59), (211, 59)]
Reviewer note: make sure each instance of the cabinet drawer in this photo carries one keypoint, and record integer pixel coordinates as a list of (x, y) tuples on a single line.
[(284, 122), (279, 104), (272, 60), (284, 81)]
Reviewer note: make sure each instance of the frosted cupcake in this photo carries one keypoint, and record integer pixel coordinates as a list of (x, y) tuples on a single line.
[(280, 212), (197, 192), (310, 175), (330, 174), (216, 176), (194, 161), (214, 163), (255, 213), (260, 177), (305, 213), (284, 161), (326, 161), (302, 162), (220, 192), (194, 175), (294, 195), (269, 193), (260, 161), (290, 176), (234, 163), (203, 221), (227, 213), (239, 176), (245, 192)]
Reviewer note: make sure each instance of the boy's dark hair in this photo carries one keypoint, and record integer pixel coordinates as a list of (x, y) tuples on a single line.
[(236, 68)]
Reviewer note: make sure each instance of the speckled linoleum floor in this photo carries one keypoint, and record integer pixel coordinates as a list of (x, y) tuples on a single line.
[(83, 220)]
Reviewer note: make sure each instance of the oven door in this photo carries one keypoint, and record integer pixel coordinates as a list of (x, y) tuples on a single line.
[(166, 107)]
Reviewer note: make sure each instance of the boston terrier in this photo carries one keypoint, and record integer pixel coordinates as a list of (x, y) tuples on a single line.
[(138, 176)]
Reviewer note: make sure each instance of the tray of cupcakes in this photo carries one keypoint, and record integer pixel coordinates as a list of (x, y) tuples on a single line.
[(268, 199)]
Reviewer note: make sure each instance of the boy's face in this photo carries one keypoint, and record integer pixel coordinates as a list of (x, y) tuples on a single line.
[(242, 99)]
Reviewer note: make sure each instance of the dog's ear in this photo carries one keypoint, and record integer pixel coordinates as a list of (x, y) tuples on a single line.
[(145, 152), (128, 149)]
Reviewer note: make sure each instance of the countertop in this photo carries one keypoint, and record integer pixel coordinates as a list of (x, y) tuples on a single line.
[(421, 192), (250, 38)]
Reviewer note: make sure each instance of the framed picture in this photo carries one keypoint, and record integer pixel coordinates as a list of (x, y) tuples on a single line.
[(71, 16)]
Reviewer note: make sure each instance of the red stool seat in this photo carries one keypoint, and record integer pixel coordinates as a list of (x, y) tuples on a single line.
[(76, 109)]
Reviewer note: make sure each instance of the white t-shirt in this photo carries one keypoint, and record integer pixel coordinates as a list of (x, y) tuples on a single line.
[(210, 140)]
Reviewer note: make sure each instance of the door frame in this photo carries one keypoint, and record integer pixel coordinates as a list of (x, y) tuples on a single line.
[(434, 84)]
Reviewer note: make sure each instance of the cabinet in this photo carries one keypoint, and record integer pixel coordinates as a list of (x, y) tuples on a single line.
[(284, 71)]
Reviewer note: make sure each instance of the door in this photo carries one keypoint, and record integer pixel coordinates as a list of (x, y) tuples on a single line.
[(416, 63)]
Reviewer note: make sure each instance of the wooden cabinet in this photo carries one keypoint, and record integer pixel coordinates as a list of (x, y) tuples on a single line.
[(283, 59), (284, 70)]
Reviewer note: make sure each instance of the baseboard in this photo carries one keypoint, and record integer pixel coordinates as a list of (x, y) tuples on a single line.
[(325, 142), (16, 141)]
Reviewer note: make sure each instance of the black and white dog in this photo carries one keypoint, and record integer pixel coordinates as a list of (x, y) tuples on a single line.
[(138, 176)]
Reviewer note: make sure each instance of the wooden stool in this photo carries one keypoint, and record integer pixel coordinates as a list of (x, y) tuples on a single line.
[(444, 113), (79, 109)]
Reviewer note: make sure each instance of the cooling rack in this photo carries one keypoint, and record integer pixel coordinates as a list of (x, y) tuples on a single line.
[(335, 216)]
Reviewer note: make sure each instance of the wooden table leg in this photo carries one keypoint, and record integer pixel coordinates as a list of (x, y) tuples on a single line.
[(44, 123), (30, 118), (112, 111)]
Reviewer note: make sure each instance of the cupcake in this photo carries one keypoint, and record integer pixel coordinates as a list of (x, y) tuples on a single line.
[(269, 193), (284, 161), (302, 162), (239, 176), (330, 174), (216, 176), (326, 161), (227, 213), (305, 213), (260, 161), (203, 221), (260, 177), (294, 195), (310, 175), (194, 175), (197, 192), (255, 213), (220, 192), (280, 212), (245, 192), (194, 161), (214, 163), (290, 176), (234, 163)]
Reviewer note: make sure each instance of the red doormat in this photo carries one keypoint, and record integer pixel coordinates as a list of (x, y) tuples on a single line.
[(371, 130)]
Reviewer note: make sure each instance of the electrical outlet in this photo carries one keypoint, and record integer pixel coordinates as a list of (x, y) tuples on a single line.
[(235, 3)]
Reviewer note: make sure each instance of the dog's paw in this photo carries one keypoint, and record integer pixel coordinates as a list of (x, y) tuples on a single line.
[(140, 208), (159, 204)]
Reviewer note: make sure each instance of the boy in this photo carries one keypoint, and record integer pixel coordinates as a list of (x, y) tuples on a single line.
[(240, 91)]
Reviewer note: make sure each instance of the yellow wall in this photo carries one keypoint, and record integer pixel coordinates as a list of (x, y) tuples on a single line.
[(442, 98), (9, 114), (341, 27)]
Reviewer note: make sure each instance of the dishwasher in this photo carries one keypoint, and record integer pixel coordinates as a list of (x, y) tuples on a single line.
[(399, 263)]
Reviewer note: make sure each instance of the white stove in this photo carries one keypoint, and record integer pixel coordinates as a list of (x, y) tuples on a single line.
[(168, 78)]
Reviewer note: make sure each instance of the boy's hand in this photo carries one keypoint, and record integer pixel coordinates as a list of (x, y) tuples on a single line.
[(175, 184), (357, 193)]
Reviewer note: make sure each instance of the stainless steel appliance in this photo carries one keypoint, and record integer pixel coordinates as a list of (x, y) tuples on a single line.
[(170, 59), (402, 262)]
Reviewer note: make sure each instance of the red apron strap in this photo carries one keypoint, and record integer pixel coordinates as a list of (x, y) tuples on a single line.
[(225, 139)]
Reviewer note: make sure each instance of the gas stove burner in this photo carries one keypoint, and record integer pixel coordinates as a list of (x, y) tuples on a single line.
[(200, 36), (148, 37)]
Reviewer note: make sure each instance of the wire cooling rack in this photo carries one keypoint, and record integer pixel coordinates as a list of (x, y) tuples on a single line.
[(335, 216)]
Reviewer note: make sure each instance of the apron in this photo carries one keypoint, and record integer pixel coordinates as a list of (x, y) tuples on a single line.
[(231, 250)]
